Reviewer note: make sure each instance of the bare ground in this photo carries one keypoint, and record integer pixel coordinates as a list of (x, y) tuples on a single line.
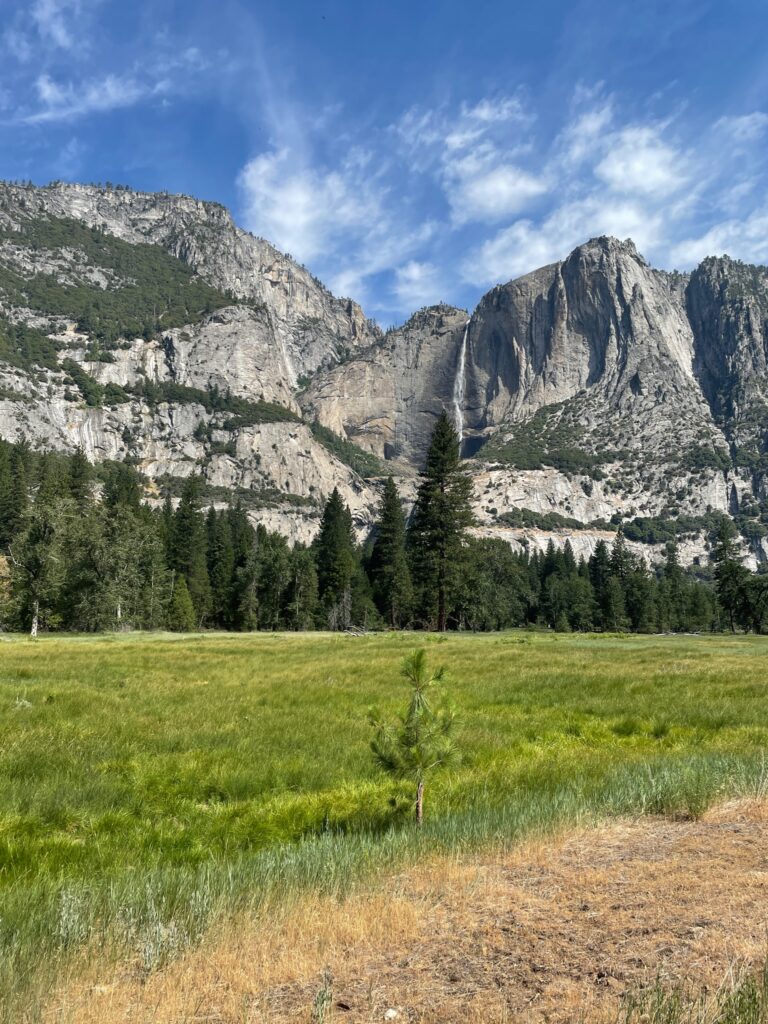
[(555, 932)]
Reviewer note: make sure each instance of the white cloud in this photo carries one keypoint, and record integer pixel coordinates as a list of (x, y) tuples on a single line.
[(475, 154), (428, 132), (640, 162), (53, 20), (67, 101), (490, 164), (481, 187), (585, 134), (60, 100), (386, 245), (745, 128), (525, 245), (303, 210), (410, 219), (47, 26), (744, 238), (417, 284)]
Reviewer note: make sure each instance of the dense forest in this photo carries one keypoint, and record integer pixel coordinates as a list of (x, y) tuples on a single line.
[(85, 552)]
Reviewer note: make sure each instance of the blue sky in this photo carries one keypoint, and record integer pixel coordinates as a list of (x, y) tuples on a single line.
[(409, 152)]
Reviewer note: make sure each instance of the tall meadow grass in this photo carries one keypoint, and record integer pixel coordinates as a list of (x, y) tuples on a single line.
[(152, 786)]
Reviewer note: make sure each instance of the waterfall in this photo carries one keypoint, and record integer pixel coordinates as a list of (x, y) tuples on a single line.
[(458, 387)]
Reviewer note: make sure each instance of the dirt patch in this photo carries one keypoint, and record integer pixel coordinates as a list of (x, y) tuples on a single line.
[(551, 933)]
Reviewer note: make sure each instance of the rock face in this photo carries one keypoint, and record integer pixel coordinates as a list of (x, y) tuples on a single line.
[(311, 327), (591, 389), (727, 304), (388, 396), (602, 330)]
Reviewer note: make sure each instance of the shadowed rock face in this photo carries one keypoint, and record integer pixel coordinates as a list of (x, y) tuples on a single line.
[(727, 304), (592, 387), (387, 397)]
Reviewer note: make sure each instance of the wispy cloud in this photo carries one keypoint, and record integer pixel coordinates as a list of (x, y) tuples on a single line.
[(65, 101), (397, 208), (17, 45), (505, 196), (55, 21), (527, 244), (745, 128), (474, 152), (46, 26), (61, 100), (640, 162), (305, 209), (745, 237), (69, 161), (418, 284)]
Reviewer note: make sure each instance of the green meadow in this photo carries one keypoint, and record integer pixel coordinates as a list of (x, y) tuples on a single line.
[(152, 785)]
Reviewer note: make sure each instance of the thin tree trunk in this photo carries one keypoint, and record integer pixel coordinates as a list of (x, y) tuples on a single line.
[(35, 619), (420, 803)]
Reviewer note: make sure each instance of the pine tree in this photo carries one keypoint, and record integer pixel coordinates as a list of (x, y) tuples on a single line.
[(600, 577), (13, 493), (581, 602), (673, 594), (80, 476), (273, 578), (614, 610), (166, 529), (493, 591), (122, 486), (421, 740), (441, 517), (181, 612), (53, 476), (187, 547), (301, 596), (337, 561), (247, 589), (6, 515), (241, 532), (39, 558), (221, 567), (730, 575), (390, 574)]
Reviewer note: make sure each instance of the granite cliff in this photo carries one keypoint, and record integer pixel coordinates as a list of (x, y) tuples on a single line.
[(150, 327)]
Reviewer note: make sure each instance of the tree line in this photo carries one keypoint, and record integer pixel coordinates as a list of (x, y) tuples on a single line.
[(85, 552)]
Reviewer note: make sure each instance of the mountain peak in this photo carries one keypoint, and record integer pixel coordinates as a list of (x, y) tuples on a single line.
[(609, 244)]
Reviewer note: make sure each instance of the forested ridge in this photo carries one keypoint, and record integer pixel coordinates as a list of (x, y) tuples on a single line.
[(86, 552)]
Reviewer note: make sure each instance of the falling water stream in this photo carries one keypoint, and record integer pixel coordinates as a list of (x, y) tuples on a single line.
[(458, 386)]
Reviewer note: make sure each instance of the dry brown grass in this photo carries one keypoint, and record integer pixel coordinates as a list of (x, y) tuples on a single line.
[(554, 932)]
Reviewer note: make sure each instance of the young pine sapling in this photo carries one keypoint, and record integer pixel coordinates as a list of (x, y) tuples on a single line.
[(421, 740)]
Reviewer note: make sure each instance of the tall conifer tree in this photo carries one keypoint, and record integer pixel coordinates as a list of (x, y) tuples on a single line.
[(188, 545), (441, 517), (390, 574), (336, 561), (13, 493), (221, 567)]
